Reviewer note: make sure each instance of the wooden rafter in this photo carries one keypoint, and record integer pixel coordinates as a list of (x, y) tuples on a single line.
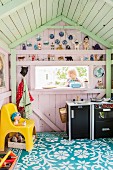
[(51, 23), (85, 31), (110, 2), (35, 32), (12, 6)]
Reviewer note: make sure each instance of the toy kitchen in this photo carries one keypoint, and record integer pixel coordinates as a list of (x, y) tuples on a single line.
[(89, 119)]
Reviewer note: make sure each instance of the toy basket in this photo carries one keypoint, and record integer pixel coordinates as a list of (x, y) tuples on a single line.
[(63, 114)]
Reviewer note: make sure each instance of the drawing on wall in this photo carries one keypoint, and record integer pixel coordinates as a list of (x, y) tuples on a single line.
[(2, 70)]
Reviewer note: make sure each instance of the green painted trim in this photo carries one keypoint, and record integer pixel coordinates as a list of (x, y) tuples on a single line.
[(4, 46), (85, 31), (108, 73), (33, 33), (12, 6), (61, 27), (13, 75)]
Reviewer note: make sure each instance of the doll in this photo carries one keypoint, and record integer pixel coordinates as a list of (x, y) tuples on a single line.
[(15, 117), (86, 43)]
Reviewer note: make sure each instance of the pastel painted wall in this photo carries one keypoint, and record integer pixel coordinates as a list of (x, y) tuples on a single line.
[(46, 103)]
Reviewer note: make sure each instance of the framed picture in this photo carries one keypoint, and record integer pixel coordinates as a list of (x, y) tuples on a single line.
[(2, 70)]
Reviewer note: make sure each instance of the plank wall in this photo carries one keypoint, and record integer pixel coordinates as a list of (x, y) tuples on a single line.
[(46, 103)]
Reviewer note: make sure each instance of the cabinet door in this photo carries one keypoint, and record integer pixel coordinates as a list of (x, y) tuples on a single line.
[(80, 123), (103, 129)]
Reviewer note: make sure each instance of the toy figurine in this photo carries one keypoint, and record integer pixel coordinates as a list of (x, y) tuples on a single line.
[(23, 47), (35, 47), (33, 57), (101, 58), (61, 58), (39, 46), (69, 58), (15, 117), (86, 43), (91, 57), (96, 57), (76, 44), (97, 47), (68, 47), (52, 46), (21, 58), (99, 85), (59, 47), (17, 138)]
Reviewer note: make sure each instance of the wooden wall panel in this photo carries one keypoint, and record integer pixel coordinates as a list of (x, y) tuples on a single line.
[(48, 103)]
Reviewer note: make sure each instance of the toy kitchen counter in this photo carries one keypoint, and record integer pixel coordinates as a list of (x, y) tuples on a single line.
[(89, 119)]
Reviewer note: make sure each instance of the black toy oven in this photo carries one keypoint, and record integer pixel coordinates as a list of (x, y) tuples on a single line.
[(103, 120)]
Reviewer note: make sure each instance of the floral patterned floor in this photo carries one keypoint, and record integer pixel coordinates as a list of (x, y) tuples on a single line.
[(52, 151)]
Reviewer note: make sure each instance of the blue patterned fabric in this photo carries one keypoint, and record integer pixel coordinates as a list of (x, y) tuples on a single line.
[(52, 151)]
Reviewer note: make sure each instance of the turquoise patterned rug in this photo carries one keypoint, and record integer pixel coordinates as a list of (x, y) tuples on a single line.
[(52, 151)]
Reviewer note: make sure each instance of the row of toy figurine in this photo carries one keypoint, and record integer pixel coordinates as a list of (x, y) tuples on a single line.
[(51, 57), (75, 43)]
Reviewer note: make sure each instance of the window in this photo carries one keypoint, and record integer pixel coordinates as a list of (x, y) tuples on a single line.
[(56, 75)]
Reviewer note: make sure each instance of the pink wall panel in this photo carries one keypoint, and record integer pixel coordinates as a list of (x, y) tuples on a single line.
[(49, 104)]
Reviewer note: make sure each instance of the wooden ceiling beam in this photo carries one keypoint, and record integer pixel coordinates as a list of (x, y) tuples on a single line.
[(85, 31), (4, 46), (110, 2), (12, 6), (35, 32)]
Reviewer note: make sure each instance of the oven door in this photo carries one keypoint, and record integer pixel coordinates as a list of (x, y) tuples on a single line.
[(104, 114)]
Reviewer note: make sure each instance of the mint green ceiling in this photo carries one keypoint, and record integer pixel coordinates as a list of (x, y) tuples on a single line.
[(22, 19)]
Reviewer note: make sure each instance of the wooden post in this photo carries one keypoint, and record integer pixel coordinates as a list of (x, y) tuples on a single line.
[(13, 75), (108, 73)]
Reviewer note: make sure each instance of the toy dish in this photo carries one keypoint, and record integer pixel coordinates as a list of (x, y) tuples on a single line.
[(51, 36), (99, 72), (70, 37), (64, 42), (57, 41), (61, 34), (29, 44)]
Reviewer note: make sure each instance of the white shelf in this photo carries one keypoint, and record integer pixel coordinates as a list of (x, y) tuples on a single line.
[(67, 90), (60, 52), (60, 63)]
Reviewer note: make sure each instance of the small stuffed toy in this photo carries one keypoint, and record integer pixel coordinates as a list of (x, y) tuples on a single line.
[(15, 117), (69, 58), (97, 47)]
